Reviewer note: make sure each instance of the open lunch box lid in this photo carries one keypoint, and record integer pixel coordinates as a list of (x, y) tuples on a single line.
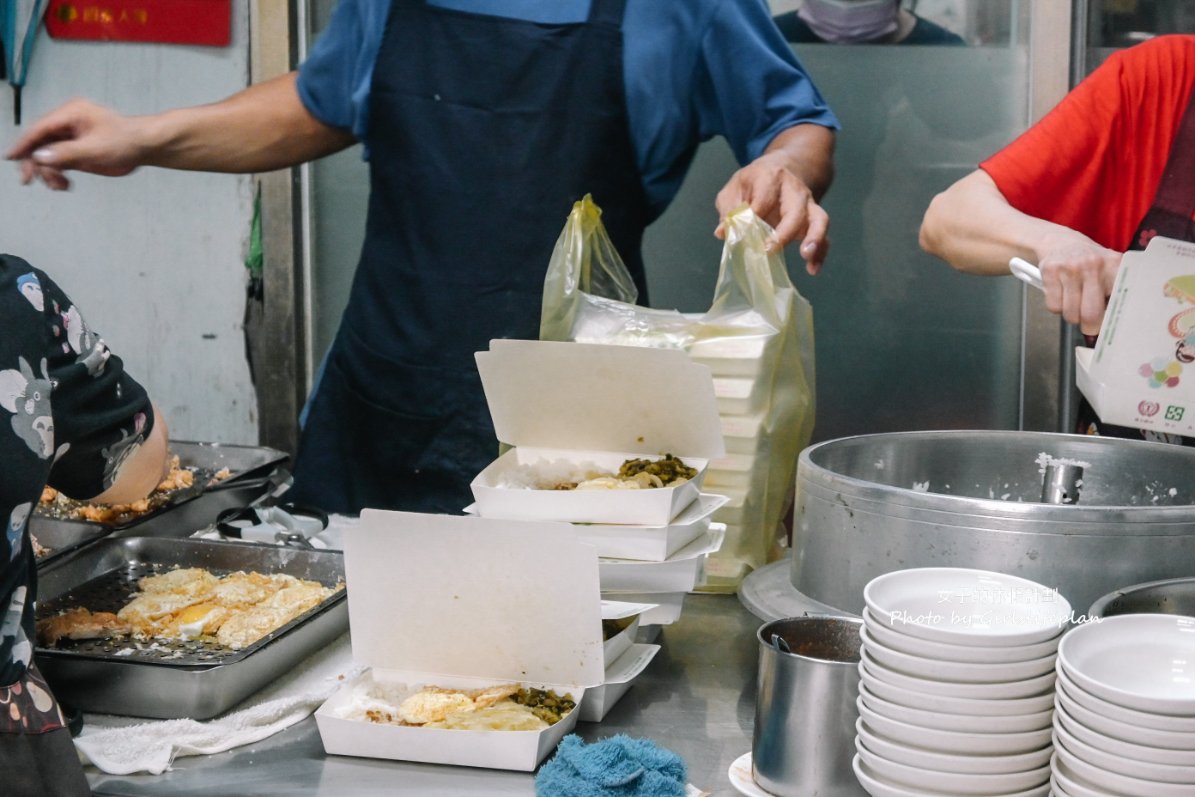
[(597, 397), (459, 596), (1141, 372)]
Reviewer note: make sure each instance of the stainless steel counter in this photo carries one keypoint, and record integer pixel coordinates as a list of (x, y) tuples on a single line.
[(696, 698)]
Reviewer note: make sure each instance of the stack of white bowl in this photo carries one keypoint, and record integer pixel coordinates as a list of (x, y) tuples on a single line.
[(1124, 724), (956, 687)]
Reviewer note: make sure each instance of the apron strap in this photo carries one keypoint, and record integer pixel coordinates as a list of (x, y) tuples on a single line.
[(609, 12)]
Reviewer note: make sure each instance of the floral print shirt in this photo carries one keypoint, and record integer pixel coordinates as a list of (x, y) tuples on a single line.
[(69, 416)]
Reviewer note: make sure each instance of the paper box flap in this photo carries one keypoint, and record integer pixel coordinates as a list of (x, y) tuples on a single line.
[(474, 597), (619, 610), (1141, 372), (580, 396)]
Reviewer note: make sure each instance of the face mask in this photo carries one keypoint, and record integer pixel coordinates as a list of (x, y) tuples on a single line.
[(850, 20)]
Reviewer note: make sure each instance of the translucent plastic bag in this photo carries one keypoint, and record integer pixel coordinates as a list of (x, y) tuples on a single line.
[(757, 339)]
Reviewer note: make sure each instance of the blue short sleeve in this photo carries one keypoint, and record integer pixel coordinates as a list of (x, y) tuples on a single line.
[(334, 79), (752, 86)]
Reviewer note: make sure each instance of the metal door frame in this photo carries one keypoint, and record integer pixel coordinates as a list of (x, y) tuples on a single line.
[(284, 375)]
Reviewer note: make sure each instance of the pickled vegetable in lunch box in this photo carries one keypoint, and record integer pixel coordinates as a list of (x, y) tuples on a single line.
[(598, 406)]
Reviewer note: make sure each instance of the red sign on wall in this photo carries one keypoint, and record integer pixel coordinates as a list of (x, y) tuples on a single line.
[(166, 21)]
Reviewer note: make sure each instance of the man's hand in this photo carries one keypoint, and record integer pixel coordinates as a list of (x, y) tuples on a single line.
[(782, 199), (79, 135), (1078, 275), (783, 186)]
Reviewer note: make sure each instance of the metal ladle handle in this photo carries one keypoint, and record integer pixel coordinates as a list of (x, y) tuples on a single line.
[(1026, 272), (1061, 483)]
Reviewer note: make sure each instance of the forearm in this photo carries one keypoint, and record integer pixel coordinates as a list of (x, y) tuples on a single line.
[(807, 151), (973, 228), (262, 128)]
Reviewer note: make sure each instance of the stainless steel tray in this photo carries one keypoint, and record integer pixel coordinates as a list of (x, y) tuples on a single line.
[(254, 470), (179, 679)]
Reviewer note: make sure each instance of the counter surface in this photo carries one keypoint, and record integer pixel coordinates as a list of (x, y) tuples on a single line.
[(696, 698)]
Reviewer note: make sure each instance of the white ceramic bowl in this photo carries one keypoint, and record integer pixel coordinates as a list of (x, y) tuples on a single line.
[(931, 701), (1114, 782), (1143, 719), (877, 786), (959, 672), (955, 741), (1133, 768), (949, 762), (960, 783), (1028, 687), (1166, 740), (891, 636), (1013, 723), (1120, 748), (1140, 661), (1056, 790), (961, 606), (1072, 783)]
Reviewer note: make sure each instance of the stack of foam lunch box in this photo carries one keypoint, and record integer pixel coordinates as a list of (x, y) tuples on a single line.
[(746, 474)]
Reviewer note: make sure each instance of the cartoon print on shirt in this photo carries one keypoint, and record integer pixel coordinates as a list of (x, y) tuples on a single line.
[(28, 397), (116, 454), (10, 626), (16, 528), (90, 347), (30, 287)]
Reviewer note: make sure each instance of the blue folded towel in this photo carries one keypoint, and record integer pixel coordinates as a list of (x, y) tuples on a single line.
[(615, 767)]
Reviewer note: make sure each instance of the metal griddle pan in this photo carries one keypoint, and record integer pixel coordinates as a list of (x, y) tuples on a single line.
[(177, 679), (254, 469)]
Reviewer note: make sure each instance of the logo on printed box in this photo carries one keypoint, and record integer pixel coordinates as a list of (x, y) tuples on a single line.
[(1149, 408), (1174, 412)]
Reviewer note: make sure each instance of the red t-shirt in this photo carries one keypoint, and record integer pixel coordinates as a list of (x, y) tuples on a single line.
[(1094, 162)]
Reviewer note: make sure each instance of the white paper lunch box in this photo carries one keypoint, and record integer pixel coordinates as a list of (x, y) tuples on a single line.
[(592, 403), (1141, 372), (667, 609), (648, 543), (619, 677), (653, 543), (679, 573), (627, 616), (465, 602)]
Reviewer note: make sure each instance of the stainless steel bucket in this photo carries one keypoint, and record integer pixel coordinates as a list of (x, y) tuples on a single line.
[(872, 504), (805, 711), (1170, 596)]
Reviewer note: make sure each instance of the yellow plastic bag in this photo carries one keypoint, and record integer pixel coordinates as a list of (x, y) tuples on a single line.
[(757, 339)]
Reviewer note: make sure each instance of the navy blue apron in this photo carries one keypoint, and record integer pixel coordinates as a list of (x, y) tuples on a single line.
[(1170, 216), (483, 131)]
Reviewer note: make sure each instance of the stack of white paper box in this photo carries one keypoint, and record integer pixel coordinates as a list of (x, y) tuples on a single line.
[(1141, 372), (591, 403)]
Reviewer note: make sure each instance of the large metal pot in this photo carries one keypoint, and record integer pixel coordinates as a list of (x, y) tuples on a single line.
[(1170, 596), (872, 504)]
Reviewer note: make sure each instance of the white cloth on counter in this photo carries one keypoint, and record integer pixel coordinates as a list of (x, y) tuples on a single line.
[(124, 745)]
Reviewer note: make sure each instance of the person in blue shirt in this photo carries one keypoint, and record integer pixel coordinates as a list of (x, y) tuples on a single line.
[(483, 121)]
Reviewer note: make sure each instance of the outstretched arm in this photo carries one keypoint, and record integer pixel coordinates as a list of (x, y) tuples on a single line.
[(973, 228), (262, 128), (783, 186)]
